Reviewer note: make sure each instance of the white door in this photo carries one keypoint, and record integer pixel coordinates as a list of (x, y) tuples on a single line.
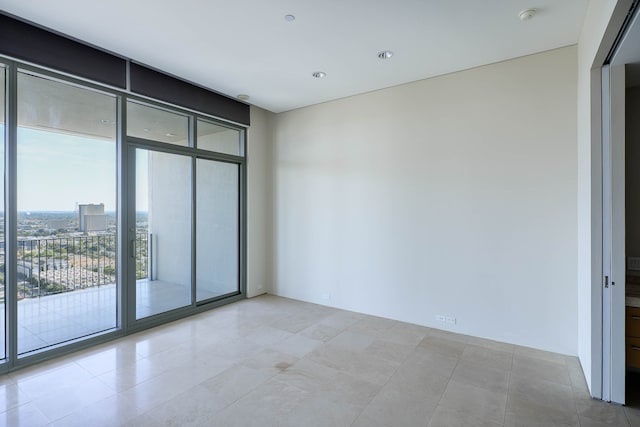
[(613, 242)]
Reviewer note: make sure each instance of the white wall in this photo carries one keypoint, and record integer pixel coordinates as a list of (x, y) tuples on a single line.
[(454, 195), (259, 219), (598, 15)]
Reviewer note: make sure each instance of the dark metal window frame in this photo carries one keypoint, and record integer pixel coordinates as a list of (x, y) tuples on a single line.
[(126, 321)]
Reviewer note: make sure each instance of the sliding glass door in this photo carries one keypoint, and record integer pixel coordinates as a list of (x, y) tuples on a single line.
[(162, 246), (187, 242), (217, 229)]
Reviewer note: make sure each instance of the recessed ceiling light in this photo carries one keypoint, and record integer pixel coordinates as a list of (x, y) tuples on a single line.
[(289, 18), (385, 54), (527, 14), (244, 97), (146, 129), (319, 74), (170, 134)]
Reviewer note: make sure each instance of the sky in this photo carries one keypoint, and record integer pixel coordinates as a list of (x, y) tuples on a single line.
[(57, 171)]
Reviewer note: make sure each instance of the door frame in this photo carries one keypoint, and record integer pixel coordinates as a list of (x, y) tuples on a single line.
[(608, 132), (129, 147), (618, 22)]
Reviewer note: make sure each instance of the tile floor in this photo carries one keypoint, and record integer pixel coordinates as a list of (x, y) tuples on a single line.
[(271, 361)]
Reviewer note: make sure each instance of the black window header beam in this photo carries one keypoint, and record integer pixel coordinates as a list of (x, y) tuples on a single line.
[(24, 41)]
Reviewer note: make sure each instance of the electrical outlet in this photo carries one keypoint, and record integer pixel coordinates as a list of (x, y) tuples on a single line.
[(440, 318), (451, 320)]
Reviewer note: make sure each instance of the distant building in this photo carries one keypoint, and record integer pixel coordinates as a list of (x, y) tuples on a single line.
[(57, 224), (92, 217)]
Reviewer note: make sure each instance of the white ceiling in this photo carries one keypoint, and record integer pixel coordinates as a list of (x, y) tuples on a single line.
[(247, 47)]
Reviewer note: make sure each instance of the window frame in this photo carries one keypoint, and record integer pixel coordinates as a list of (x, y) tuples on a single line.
[(126, 324)]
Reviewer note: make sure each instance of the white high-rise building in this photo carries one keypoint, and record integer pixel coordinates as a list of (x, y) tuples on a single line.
[(92, 217)]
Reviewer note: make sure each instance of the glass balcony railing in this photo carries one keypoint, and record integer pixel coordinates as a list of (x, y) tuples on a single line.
[(64, 264)]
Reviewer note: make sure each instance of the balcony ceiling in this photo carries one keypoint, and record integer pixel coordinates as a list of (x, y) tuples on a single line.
[(247, 46)]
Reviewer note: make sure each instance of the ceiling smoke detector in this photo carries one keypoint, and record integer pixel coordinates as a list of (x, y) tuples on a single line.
[(385, 54), (527, 14), (289, 18), (319, 74)]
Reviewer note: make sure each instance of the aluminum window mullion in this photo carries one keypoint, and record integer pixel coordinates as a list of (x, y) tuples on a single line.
[(193, 232), (242, 194), (193, 129), (220, 157), (186, 151), (11, 215), (123, 232)]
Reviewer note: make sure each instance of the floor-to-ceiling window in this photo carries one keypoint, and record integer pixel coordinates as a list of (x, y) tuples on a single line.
[(217, 212), (217, 220), (122, 213), (179, 172), (3, 316), (162, 209), (66, 212)]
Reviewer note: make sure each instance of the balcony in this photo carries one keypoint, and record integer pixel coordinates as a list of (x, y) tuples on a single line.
[(67, 288), (64, 264), (56, 318)]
